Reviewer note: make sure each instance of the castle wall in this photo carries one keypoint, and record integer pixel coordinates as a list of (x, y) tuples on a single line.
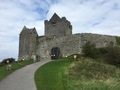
[(68, 45), (98, 40), (41, 38), (72, 44)]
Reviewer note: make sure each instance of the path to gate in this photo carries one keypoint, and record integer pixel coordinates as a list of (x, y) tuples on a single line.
[(22, 79)]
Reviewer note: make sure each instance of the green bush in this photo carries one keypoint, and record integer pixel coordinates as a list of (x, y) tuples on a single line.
[(113, 55), (102, 51), (4, 62), (8, 59), (110, 53), (117, 40), (89, 50)]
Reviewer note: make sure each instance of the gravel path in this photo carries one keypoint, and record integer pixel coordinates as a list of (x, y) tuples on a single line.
[(22, 79)]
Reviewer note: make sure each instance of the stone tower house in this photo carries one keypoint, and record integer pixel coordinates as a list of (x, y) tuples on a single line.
[(58, 40), (27, 43), (57, 27)]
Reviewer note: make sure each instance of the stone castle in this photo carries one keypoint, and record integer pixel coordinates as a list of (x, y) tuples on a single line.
[(58, 40)]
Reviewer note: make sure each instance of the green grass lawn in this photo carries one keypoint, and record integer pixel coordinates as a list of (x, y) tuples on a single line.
[(51, 75), (84, 74), (15, 66)]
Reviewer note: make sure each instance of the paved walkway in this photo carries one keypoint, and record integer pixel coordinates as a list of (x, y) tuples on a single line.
[(22, 79)]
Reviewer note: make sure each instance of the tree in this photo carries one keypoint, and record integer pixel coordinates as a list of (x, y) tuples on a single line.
[(89, 50)]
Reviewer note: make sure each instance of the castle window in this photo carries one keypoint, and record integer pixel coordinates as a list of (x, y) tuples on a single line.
[(53, 23)]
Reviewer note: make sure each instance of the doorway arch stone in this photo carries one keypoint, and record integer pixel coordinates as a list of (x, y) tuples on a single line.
[(55, 53)]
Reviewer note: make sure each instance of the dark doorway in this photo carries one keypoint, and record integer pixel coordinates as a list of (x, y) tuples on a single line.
[(55, 53), (37, 58)]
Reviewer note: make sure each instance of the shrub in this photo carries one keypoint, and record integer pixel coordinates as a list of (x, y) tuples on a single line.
[(117, 40), (110, 53), (113, 55), (102, 50), (10, 60), (89, 50)]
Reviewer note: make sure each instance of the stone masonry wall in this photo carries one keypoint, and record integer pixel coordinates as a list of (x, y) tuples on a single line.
[(72, 44), (58, 29), (97, 39), (24, 44), (68, 45), (27, 43), (32, 43)]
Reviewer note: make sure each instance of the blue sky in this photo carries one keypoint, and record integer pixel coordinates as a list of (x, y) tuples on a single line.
[(86, 16)]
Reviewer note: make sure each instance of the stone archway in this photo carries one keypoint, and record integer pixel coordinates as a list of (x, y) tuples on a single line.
[(55, 53)]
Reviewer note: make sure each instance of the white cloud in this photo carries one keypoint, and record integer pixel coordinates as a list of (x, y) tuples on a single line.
[(14, 14), (91, 16), (96, 16)]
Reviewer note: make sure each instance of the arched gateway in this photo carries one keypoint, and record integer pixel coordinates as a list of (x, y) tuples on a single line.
[(55, 53)]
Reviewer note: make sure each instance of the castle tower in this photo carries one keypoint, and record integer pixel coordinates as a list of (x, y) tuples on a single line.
[(57, 27), (27, 43)]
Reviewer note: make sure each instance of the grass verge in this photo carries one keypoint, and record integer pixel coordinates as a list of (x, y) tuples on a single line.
[(51, 75), (15, 66)]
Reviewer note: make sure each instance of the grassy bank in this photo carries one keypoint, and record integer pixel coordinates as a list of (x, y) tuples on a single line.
[(84, 74), (88, 74), (15, 66), (51, 75)]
